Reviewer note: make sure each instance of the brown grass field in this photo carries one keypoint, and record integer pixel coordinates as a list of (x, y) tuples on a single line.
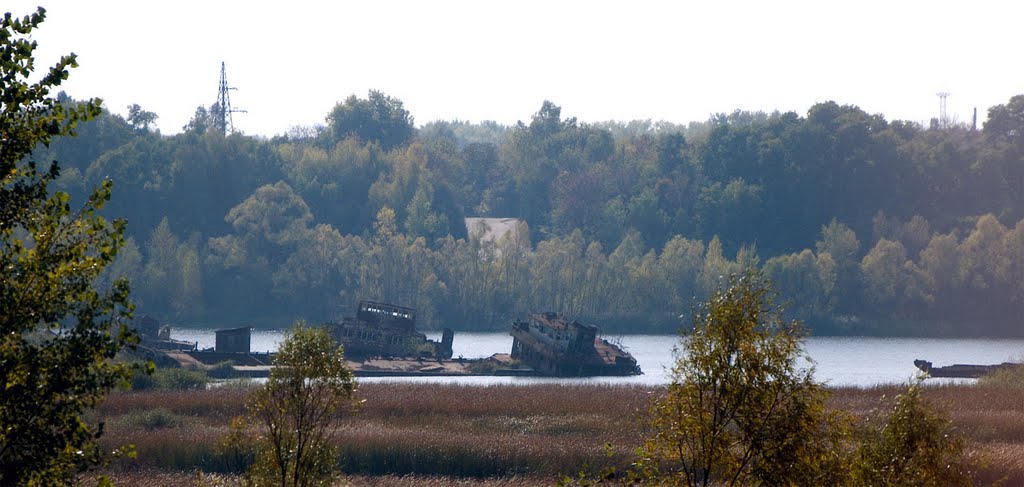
[(418, 434)]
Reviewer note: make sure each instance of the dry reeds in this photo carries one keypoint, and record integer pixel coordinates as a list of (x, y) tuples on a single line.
[(430, 434)]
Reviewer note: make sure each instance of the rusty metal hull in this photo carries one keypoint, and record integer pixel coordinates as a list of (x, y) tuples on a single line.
[(554, 346), (387, 330)]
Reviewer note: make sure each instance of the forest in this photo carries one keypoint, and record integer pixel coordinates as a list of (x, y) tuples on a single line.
[(867, 226)]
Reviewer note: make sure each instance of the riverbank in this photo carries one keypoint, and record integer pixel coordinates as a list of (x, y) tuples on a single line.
[(437, 434)]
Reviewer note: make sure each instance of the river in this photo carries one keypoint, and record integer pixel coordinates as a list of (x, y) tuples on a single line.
[(840, 361)]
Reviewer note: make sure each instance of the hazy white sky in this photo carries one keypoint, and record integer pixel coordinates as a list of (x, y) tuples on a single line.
[(680, 61)]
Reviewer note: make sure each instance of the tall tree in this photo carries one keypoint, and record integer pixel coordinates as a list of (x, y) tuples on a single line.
[(377, 118), (58, 333)]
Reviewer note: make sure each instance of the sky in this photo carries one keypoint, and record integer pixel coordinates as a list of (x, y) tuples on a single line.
[(681, 61)]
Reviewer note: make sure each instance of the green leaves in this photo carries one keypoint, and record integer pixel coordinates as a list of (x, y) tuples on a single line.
[(913, 448), (59, 333), (739, 411), (297, 409), (378, 118)]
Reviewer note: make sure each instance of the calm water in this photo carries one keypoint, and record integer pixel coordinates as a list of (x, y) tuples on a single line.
[(841, 361)]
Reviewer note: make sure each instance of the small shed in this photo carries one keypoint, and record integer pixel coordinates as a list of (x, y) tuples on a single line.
[(234, 340)]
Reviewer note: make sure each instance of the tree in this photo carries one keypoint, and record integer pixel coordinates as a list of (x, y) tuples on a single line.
[(884, 271), (140, 119), (805, 279), (296, 409), (273, 213), (200, 122), (739, 411), (58, 333), (378, 118), (839, 241)]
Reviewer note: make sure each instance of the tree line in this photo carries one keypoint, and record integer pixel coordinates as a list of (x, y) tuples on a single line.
[(869, 225)]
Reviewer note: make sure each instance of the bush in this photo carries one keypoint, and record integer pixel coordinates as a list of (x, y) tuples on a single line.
[(171, 378), (222, 370), (154, 419), (914, 447)]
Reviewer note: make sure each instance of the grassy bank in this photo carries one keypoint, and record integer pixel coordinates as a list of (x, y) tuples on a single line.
[(417, 434)]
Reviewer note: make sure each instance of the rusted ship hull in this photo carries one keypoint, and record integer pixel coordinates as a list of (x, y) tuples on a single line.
[(387, 330), (554, 346)]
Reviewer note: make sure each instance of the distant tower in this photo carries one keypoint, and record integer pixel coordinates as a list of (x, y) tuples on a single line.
[(222, 110), (943, 117)]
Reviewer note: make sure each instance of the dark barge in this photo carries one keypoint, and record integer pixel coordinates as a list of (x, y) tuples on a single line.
[(961, 371)]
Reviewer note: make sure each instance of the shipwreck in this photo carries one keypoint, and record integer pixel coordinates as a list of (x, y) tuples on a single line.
[(387, 330), (553, 345), (155, 336)]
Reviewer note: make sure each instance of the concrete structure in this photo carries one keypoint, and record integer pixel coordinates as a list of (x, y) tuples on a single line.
[(491, 229)]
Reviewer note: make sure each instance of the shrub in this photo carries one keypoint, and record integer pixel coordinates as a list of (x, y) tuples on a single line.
[(222, 370), (914, 447), (154, 419), (171, 378)]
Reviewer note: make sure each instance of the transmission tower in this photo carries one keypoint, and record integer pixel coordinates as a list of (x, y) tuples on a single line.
[(943, 117), (222, 107)]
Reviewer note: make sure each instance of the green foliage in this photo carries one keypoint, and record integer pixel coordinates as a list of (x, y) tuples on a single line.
[(154, 419), (171, 379), (140, 119), (59, 333), (835, 180), (739, 411), (378, 118), (295, 412), (914, 447)]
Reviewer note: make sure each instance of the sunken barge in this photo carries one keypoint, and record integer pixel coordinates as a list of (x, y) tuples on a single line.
[(555, 346), (961, 371)]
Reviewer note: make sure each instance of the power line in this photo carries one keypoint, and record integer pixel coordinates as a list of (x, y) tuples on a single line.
[(222, 109), (943, 117)]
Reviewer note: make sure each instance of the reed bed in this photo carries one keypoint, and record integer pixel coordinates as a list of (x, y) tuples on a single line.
[(214, 405), (430, 434), (156, 478)]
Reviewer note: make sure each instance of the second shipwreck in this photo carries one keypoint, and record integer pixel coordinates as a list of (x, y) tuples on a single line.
[(554, 345)]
